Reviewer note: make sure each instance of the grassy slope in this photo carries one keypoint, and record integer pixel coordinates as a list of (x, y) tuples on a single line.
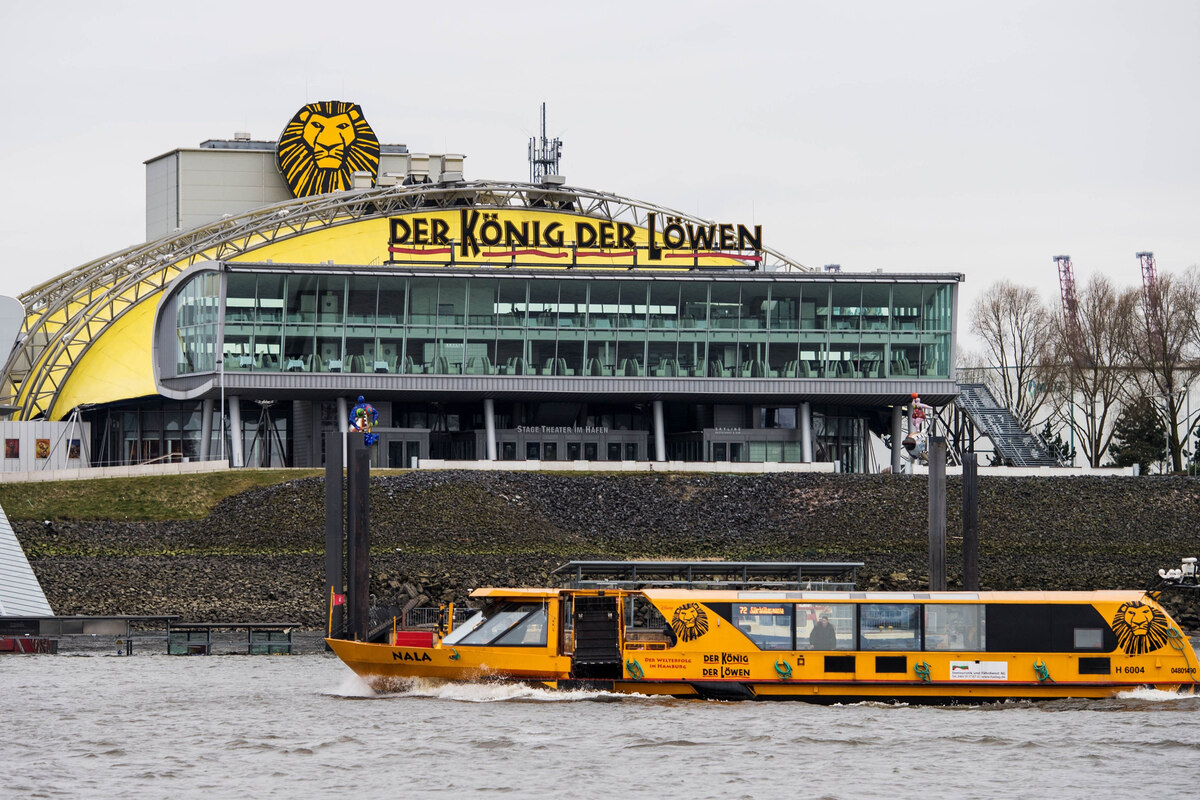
[(144, 499)]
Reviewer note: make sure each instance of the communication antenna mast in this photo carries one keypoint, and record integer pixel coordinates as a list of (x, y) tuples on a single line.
[(1070, 307), (543, 154), (1151, 297)]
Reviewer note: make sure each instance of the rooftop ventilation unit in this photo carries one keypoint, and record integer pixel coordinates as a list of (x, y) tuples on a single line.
[(418, 168), (452, 168)]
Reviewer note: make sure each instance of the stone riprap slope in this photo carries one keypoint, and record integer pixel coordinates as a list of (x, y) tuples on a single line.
[(259, 555)]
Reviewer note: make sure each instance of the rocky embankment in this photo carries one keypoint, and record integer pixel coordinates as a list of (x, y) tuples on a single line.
[(259, 555)]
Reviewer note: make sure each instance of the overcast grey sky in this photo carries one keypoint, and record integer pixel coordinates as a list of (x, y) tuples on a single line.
[(930, 136)]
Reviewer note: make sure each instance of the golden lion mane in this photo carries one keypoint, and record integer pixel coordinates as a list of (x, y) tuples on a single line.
[(324, 158)]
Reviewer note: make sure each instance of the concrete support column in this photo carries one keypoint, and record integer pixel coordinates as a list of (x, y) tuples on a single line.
[(806, 442), (206, 409), (660, 433), (343, 412), (897, 437), (235, 431), (489, 427)]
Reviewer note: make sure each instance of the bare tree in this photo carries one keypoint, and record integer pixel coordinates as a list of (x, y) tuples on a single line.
[(1163, 347), (1018, 334), (1096, 374)]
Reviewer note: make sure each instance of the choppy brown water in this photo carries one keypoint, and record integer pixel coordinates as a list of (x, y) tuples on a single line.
[(99, 725)]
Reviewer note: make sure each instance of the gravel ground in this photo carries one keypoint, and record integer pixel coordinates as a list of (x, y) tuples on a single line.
[(259, 555)]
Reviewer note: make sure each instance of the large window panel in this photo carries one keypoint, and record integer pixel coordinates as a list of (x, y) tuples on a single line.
[(240, 297), (889, 626), (600, 359), (511, 303), (814, 307), (393, 294), (754, 306), (725, 307), (362, 300), (422, 305), (693, 305), (302, 299), (812, 633), (876, 303), (452, 302), (481, 302), (724, 314), (634, 309), (664, 304), (543, 303), (846, 307), (572, 305), (938, 306), (906, 307), (784, 306), (603, 305), (767, 625), (631, 353), (543, 322), (449, 354), (499, 621), (331, 305), (389, 347), (958, 626)]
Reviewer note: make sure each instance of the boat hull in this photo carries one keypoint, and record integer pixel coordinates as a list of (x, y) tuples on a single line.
[(375, 661), (386, 667)]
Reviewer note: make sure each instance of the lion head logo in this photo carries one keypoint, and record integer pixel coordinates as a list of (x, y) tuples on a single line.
[(1140, 628), (324, 145), (689, 622)]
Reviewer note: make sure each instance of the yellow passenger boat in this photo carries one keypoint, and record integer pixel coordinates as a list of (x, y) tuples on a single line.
[(745, 638)]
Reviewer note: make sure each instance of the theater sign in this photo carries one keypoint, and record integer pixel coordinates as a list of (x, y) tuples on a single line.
[(536, 238)]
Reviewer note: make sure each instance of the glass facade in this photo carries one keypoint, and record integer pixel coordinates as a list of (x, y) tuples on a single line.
[(156, 431), (559, 326), (197, 313)]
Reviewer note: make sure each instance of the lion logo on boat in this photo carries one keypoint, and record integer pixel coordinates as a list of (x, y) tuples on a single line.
[(1140, 628), (689, 622)]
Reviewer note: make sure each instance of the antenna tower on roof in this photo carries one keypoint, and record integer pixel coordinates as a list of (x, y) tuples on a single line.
[(543, 154)]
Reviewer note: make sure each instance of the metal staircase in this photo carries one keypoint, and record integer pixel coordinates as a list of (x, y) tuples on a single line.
[(1017, 446)]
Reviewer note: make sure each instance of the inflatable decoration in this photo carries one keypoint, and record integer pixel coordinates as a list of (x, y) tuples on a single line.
[(363, 417)]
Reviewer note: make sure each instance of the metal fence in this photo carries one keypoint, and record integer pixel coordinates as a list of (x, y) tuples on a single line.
[(428, 617)]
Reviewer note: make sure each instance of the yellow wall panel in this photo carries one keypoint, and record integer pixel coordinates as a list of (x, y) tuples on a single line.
[(118, 365), (363, 242)]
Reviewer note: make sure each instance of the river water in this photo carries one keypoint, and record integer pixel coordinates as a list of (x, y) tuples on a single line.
[(88, 723)]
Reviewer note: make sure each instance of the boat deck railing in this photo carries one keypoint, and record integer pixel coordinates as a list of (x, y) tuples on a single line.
[(795, 586), (747, 575)]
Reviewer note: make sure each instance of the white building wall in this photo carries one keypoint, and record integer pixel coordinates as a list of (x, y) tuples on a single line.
[(40, 445), (194, 186)]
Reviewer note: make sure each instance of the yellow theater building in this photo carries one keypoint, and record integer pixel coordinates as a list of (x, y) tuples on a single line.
[(483, 320)]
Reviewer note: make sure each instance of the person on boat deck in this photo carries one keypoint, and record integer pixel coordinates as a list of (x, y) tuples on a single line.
[(823, 636)]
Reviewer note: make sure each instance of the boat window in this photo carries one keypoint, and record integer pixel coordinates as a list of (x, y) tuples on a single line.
[(954, 627), (462, 630), (768, 625), (496, 621), (1046, 628), (812, 635), (529, 632), (889, 626)]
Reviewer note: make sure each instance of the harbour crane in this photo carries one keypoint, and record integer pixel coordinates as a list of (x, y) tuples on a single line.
[(1070, 307), (1152, 298)]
